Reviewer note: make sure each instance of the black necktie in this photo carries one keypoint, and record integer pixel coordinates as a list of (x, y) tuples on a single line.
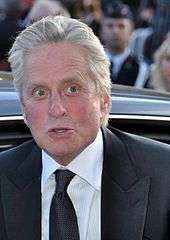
[(63, 220), (111, 71)]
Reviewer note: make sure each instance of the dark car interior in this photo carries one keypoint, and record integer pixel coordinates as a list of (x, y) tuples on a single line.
[(16, 132), (134, 111)]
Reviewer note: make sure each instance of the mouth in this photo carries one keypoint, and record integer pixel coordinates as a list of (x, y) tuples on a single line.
[(116, 39), (59, 132)]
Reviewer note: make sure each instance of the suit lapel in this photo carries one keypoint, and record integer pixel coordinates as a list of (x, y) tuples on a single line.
[(21, 197), (124, 194), (128, 72)]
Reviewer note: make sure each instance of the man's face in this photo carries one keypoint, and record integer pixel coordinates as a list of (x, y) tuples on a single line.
[(116, 33), (165, 70), (60, 103)]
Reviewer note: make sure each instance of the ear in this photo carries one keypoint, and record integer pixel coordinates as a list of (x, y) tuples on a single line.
[(105, 104), (25, 119), (23, 113)]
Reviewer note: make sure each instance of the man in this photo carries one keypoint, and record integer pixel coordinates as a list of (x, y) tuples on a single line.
[(77, 179), (117, 27), (10, 26)]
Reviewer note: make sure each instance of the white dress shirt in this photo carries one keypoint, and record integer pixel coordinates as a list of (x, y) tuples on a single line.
[(84, 189), (118, 60)]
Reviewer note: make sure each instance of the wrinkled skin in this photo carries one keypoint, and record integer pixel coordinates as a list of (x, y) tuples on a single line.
[(59, 99)]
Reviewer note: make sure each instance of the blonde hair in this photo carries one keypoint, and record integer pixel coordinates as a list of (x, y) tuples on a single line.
[(157, 78), (56, 29)]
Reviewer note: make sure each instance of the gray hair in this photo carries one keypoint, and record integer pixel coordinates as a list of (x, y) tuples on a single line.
[(57, 29), (44, 8)]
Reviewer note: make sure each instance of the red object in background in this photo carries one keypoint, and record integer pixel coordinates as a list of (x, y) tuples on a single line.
[(27, 3)]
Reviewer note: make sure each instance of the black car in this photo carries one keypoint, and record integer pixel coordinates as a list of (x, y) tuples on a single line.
[(136, 111)]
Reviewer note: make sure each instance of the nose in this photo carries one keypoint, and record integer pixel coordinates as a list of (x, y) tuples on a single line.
[(115, 29), (57, 107)]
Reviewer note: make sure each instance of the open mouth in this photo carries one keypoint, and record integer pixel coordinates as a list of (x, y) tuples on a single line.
[(55, 132)]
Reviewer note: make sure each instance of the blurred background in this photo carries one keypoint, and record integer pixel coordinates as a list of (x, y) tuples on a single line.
[(135, 34)]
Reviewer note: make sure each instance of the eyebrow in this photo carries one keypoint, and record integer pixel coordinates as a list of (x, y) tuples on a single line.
[(77, 78), (72, 80), (34, 85)]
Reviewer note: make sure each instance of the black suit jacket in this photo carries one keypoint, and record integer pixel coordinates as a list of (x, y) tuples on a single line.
[(135, 197), (128, 72)]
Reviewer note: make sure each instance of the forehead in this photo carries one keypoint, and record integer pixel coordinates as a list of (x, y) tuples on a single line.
[(56, 51), (117, 21), (167, 52), (56, 60), (51, 55)]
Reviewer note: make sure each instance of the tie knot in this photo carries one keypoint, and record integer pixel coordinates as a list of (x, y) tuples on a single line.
[(63, 178)]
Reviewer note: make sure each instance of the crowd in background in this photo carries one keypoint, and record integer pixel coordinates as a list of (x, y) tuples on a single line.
[(135, 34)]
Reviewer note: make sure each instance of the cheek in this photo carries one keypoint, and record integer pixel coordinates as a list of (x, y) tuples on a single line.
[(34, 115), (86, 111), (126, 36), (78, 111), (166, 68)]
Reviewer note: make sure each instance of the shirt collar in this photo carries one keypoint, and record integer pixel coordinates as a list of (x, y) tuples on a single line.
[(119, 57), (87, 165)]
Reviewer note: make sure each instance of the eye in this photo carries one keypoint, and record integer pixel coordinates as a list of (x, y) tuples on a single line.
[(109, 25), (72, 90), (40, 92), (167, 58), (121, 26)]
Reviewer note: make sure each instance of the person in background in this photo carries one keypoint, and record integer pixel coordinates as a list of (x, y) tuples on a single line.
[(44, 8), (89, 12), (145, 14), (10, 26), (116, 29), (160, 69), (160, 28), (26, 7), (3, 9), (143, 29), (77, 179)]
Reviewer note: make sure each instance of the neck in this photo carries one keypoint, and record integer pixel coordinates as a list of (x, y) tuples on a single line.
[(116, 51)]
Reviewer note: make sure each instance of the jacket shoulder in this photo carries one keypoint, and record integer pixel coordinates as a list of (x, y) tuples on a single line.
[(11, 158), (145, 154)]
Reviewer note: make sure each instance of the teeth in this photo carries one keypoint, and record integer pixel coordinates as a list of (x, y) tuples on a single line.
[(60, 131)]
